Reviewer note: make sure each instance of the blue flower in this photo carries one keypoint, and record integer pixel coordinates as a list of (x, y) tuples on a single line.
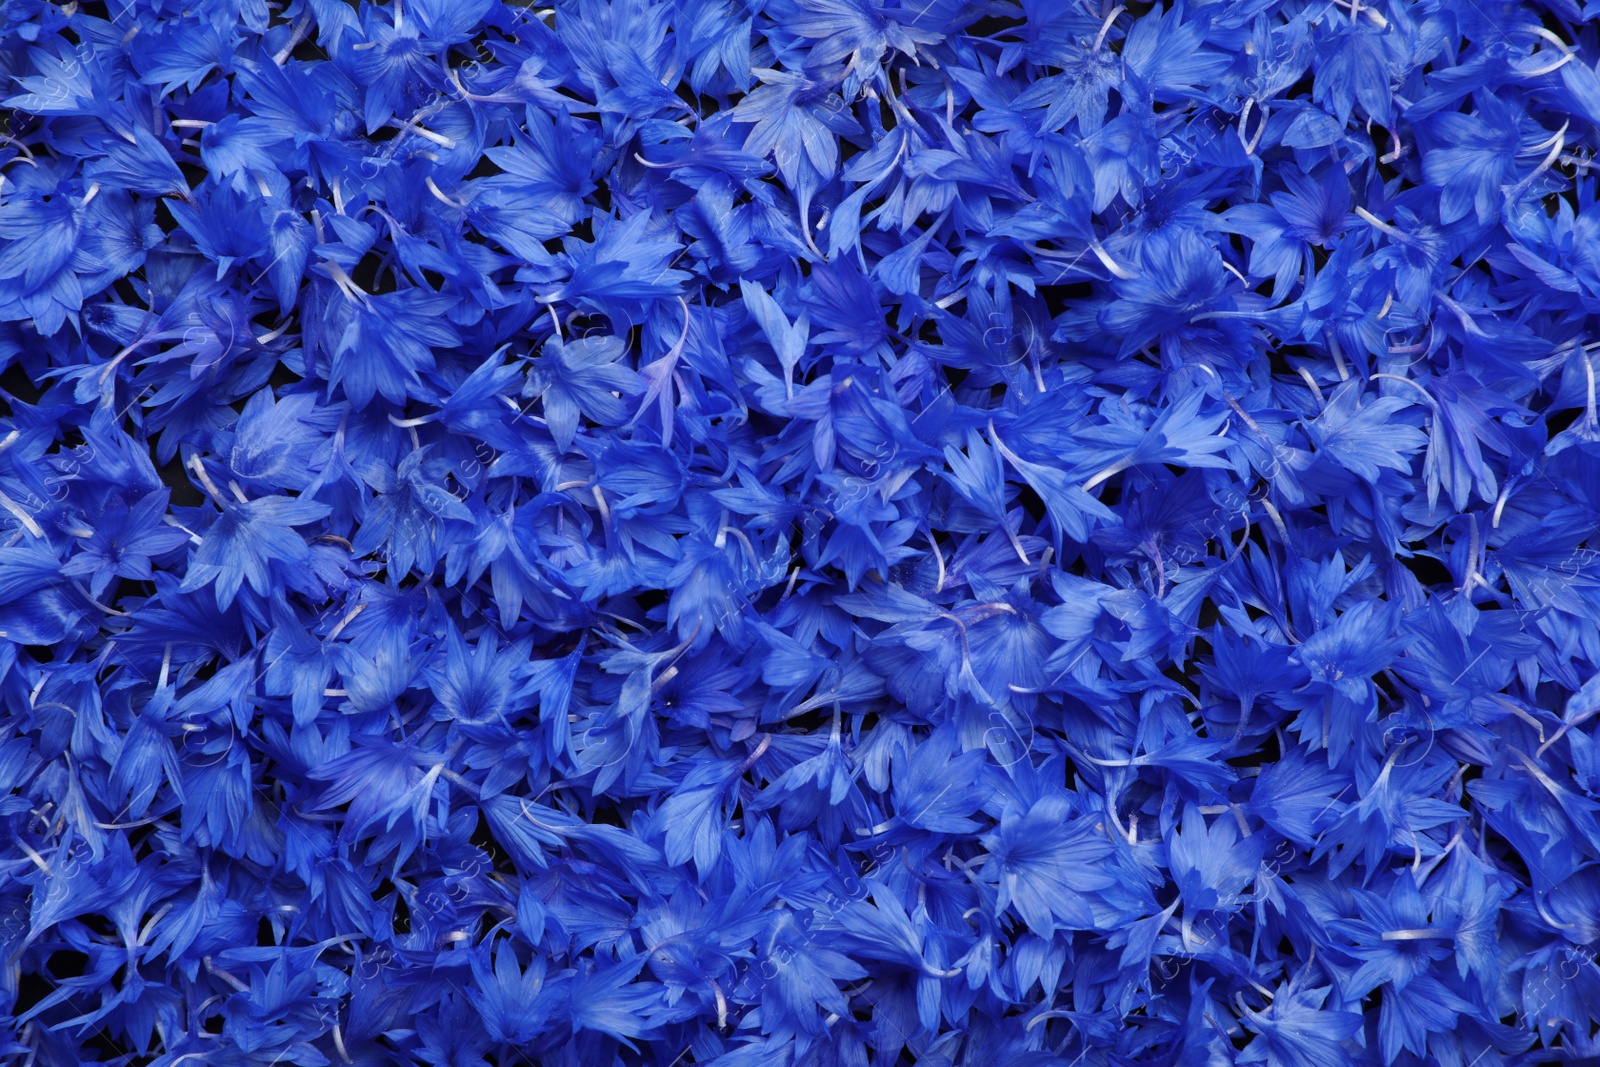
[(251, 541), (1296, 1031), (123, 541), (581, 378)]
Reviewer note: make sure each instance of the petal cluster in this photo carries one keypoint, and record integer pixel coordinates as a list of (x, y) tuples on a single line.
[(799, 533)]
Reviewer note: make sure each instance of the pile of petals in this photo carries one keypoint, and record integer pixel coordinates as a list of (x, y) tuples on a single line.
[(799, 533)]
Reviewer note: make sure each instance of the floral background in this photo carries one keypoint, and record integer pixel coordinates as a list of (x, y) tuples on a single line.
[(807, 533)]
